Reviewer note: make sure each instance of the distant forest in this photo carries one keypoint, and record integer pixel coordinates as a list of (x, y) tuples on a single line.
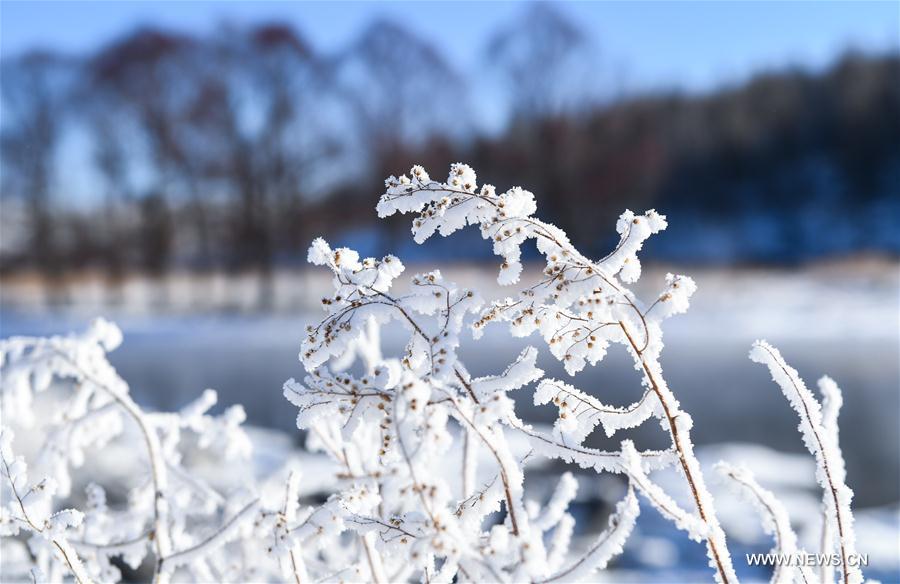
[(231, 151)]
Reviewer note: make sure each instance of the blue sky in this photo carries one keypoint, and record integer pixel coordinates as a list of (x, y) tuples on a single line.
[(688, 45)]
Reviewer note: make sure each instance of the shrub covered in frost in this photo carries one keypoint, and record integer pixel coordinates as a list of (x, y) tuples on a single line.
[(428, 486)]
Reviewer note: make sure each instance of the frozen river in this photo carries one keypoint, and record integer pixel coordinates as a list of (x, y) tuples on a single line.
[(167, 361)]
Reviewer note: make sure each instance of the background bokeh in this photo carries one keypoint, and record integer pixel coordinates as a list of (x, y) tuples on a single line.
[(160, 145), (167, 164)]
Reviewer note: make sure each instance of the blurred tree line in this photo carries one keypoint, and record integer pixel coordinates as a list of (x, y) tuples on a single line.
[(231, 151)]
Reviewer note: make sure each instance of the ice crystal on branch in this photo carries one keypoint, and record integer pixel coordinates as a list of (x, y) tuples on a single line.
[(92, 410), (821, 439), (579, 307), (775, 520), (426, 483)]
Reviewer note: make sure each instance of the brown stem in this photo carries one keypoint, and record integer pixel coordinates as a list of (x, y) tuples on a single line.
[(779, 538), (503, 476), (829, 479), (467, 385), (682, 456), (157, 464), (372, 558), (58, 541), (295, 568)]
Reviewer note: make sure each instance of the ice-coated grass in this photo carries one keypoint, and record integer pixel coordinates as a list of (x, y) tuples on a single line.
[(397, 427)]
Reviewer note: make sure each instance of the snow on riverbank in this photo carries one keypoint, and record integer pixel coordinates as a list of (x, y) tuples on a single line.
[(852, 299)]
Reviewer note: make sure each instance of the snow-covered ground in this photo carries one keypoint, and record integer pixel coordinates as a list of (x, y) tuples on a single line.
[(857, 299)]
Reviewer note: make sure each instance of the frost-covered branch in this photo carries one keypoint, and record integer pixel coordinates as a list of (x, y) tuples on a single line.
[(33, 512), (158, 469), (832, 400), (579, 307), (212, 542), (775, 520), (89, 403), (610, 543), (822, 443), (428, 461)]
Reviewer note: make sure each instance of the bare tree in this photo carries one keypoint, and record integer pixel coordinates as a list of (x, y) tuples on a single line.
[(256, 103), (406, 103), (151, 75), (545, 61), (402, 92), (35, 90)]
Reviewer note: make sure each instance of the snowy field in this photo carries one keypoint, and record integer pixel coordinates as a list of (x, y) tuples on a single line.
[(842, 320)]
